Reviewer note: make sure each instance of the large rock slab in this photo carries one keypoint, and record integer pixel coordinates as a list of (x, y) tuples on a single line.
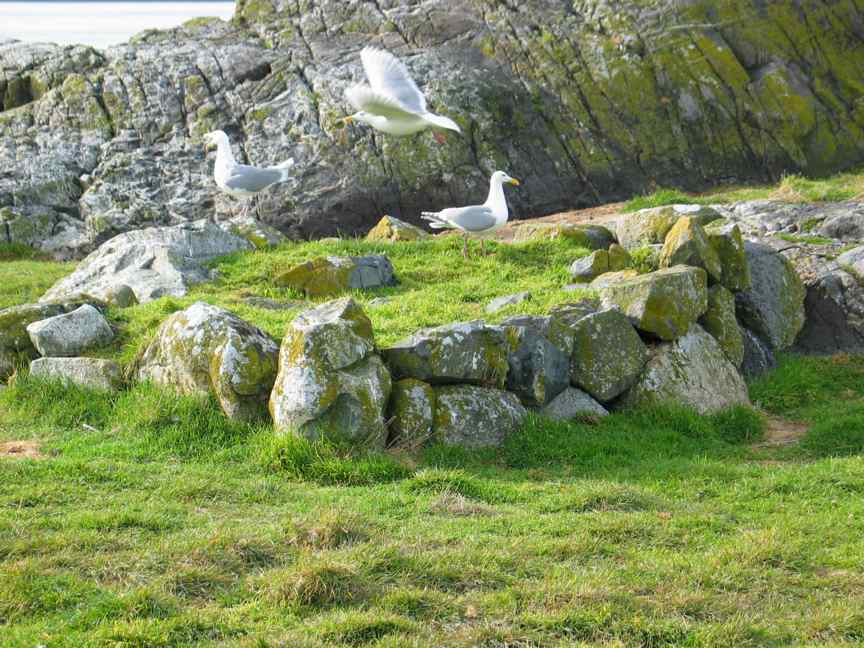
[(332, 275), (207, 350), (719, 320), (70, 334), (330, 383), (663, 303), (608, 355), (392, 229), (773, 307), (411, 413), (650, 226), (726, 240), (475, 417), (592, 237), (538, 370), (92, 373), (688, 244), (466, 352), (573, 404), (153, 262), (691, 371)]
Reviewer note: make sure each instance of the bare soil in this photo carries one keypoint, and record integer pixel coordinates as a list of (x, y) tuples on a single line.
[(21, 450)]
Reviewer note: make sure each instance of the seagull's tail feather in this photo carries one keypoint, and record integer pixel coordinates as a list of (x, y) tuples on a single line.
[(284, 167), (440, 121), (435, 221)]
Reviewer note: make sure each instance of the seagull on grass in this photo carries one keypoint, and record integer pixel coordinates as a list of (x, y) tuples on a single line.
[(476, 219), (392, 103), (241, 180)]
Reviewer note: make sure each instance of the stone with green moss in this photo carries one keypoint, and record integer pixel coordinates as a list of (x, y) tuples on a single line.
[(609, 278), (15, 343), (393, 229), (650, 226), (475, 417), (719, 320), (592, 237), (538, 370), (726, 239), (121, 296), (663, 303), (692, 371), (608, 354), (588, 268), (207, 350), (465, 352), (562, 320), (411, 413), (619, 258), (332, 275), (688, 244)]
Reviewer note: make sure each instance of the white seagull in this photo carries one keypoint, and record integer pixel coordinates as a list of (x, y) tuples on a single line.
[(487, 217), (392, 103), (241, 180)]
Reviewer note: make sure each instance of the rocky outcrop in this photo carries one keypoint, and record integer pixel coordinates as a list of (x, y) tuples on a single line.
[(207, 350), (70, 334), (91, 373), (332, 275), (96, 143), (651, 226)]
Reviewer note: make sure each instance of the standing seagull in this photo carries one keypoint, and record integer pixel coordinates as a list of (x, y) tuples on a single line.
[(392, 102), (487, 217), (242, 180)]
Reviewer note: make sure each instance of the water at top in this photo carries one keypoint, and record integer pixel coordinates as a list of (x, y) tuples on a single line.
[(98, 24)]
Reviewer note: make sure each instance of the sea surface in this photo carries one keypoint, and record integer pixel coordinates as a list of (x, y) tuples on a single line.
[(98, 24)]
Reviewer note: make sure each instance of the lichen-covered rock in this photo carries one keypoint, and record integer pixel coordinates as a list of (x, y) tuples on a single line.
[(608, 354), (719, 320), (691, 371), (648, 226), (845, 224), (592, 237), (773, 307), (834, 312), (259, 234), (15, 344), (725, 238), (663, 303), (207, 350), (70, 334), (475, 417), (853, 260), (563, 319), (465, 352), (538, 370), (609, 278), (121, 296), (393, 229), (688, 244), (588, 268), (411, 413), (332, 275), (619, 258), (573, 404), (92, 373), (758, 357), (500, 303), (153, 262), (330, 383)]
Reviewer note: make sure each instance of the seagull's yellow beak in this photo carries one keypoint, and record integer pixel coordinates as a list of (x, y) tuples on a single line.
[(514, 181)]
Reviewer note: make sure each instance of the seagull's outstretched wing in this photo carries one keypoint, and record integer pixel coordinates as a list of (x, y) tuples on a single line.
[(388, 76), (369, 100), (476, 218), (251, 179)]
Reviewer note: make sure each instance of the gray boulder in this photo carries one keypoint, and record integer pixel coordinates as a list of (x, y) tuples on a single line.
[(834, 313), (691, 371), (773, 307), (562, 320), (207, 350), (719, 320), (332, 275), (588, 268), (845, 224), (650, 226), (92, 373), (15, 344), (467, 352), (573, 404), (688, 244), (411, 413), (71, 333), (500, 303), (853, 261), (727, 242), (538, 370), (153, 262), (475, 417), (758, 358)]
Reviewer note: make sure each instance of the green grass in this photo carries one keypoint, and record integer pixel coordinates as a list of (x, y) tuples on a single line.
[(26, 276)]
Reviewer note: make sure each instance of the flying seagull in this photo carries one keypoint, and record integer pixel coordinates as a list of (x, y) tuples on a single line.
[(487, 217), (392, 103), (242, 180)]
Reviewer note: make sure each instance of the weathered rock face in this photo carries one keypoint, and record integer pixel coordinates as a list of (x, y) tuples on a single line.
[(14, 340), (70, 334), (475, 417), (467, 352), (411, 413), (588, 268), (727, 242), (719, 320), (663, 303), (773, 307), (692, 371), (688, 244), (538, 370), (573, 404), (92, 373), (562, 320), (757, 357), (95, 143), (330, 383), (207, 350), (332, 275), (651, 226), (153, 263), (834, 311), (392, 229)]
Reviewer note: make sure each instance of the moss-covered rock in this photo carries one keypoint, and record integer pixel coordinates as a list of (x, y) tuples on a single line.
[(726, 239), (719, 320), (691, 371), (562, 320), (573, 404), (121, 296), (70, 334), (773, 307), (609, 278), (538, 370), (688, 244), (207, 350), (619, 258), (608, 354), (663, 303), (475, 417), (649, 226), (588, 268), (411, 413), (15, 342), (332, 275), (93, 373), (592, 237), (393, 229)]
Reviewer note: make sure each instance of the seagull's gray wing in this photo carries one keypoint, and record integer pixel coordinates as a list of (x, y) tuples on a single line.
[(476, 218), (366, 99), (388, 76), (251, 179)]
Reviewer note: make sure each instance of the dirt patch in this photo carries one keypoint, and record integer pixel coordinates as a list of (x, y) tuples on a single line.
[(21, 450), (780, 432)]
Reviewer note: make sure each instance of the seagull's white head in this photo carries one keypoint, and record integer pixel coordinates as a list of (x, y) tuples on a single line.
[(215, 138), (500, 177)]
